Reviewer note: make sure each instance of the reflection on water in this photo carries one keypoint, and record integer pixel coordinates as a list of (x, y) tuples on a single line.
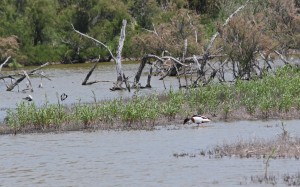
[(136, 158)]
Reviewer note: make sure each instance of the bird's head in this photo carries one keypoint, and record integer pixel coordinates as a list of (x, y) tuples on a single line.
[(186, 120)]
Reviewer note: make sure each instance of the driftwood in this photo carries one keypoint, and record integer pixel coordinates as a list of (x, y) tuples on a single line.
[(14, 84)]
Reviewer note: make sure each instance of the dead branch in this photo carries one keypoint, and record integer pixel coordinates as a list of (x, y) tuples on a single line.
[(13, 85), (212, 40), (95, 40), (117, 58), (286, 62), (88, 76), (7, 59), (28, 79)]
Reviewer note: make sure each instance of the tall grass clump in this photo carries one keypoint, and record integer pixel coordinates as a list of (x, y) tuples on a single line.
[(85, 114), (172, 104), (275, 93), (109, 110), (141, 110), (28, 115), (212, 99)]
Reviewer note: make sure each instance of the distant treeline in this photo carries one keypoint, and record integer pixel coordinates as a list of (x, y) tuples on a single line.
[(37, 31)]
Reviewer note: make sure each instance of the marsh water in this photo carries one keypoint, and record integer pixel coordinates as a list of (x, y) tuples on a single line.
[(128, 158), (138, 158), (68, 78)]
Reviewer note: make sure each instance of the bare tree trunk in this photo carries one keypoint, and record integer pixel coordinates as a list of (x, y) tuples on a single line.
[(148, 85), (118, 59), (88, 76), (140, 70)]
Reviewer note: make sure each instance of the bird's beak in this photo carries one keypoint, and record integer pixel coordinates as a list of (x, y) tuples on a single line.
[(206, 120)]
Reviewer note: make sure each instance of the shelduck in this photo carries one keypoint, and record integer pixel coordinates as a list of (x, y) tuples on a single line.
[(198, 119)]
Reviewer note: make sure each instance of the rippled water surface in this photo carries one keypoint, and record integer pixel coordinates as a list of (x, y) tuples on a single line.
[(126, 158), (137, 158)]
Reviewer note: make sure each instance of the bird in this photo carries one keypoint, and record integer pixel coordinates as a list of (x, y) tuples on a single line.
[(63, 96), (198, 119), (40, 85), (28, 98)]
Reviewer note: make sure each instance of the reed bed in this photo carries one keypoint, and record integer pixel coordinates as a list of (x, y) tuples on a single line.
[(274, 96)]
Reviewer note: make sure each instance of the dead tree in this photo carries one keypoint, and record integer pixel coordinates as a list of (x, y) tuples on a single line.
[(196, 63), (117, 58), (164, 64), (25, 75)]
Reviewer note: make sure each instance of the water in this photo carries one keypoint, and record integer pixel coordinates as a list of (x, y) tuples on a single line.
[(126, 158), (68, 78), (137, 158)]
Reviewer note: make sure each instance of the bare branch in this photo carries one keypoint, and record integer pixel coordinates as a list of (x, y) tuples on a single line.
[(12, 86), (154, 30), (97, 41), (7, 59), (282, 57), (27, 77), (212, 40)]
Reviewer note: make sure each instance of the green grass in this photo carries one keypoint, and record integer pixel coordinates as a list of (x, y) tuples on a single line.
[(262, 98)]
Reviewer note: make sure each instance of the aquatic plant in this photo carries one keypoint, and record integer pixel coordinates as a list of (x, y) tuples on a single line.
[(29, 115), (173, 104)]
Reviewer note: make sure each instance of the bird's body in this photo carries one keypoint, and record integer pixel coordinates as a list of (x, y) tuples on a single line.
[(28, 98), (198, 119), (40, 85), (63, 96)]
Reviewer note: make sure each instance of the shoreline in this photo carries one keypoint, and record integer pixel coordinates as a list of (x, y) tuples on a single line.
[(149, 126)]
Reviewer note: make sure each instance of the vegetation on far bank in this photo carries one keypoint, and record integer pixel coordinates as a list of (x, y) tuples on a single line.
[(38, 31), (275, 96)]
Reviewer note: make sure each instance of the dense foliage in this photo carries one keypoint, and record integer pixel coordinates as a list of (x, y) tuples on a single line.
[(36, 31)]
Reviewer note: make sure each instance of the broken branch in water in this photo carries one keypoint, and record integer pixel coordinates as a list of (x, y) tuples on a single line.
[(14, 84)]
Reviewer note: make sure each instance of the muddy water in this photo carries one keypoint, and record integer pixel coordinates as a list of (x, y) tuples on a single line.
[(137, 158), (68, 78)]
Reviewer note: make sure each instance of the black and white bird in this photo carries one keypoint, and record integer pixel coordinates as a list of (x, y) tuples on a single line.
[(198, 119), (63, 96), (28, 98)]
